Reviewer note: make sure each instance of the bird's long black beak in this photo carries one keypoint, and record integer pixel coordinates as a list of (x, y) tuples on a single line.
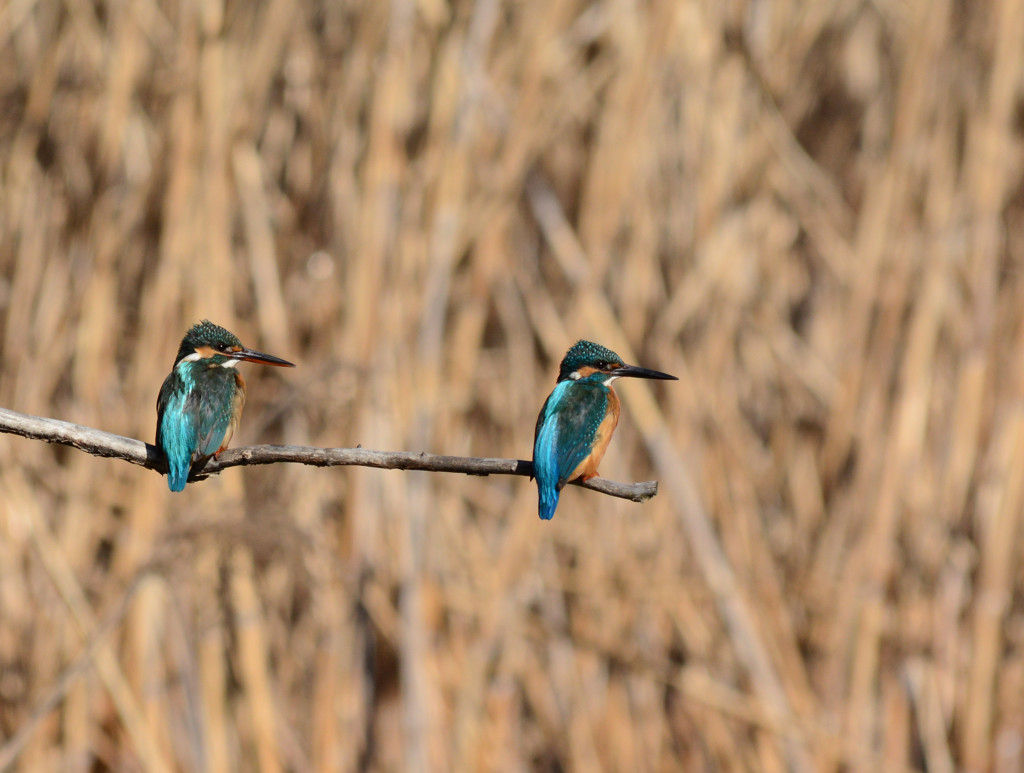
[(635, 371), (248, 355)]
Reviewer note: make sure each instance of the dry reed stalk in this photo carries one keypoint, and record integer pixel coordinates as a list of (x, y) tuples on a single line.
[(999, 529), (21, 505), (929, 718), (260, 241), (77, 538), (253, 664), (211, 646)]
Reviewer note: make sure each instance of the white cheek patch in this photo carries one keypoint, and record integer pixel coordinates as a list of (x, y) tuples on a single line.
[(229, 363), (608, 381), (182, 365), (575, 375)]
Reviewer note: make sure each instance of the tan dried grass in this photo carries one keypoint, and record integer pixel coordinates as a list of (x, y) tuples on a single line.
[(809, 212)]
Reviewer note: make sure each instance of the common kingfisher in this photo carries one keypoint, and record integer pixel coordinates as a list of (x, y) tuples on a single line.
[(578, 419), (201, 400)]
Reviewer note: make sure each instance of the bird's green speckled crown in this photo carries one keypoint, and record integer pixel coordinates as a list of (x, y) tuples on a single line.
[(586, 353)]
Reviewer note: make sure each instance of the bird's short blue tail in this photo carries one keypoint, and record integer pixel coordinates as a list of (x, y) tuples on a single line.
[(548, 500), (177, 476)]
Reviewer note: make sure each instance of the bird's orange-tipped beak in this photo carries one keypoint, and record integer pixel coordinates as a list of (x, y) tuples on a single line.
[(635, 371), (248, 355)]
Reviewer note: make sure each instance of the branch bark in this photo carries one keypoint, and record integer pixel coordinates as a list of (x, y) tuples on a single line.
[(100, 443)]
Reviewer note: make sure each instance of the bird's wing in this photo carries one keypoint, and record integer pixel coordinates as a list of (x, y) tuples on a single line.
[(566, 429), (177, 419), (217, 419), (536, 434), (214, 420)]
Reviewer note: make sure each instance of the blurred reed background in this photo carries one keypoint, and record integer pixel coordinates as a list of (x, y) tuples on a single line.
[(810, 212)]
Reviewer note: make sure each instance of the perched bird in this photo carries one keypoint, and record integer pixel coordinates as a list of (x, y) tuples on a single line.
[(201, 400), (578, 419)]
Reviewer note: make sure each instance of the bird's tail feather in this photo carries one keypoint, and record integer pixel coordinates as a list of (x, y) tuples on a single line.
[(177, 476), (548, 501)]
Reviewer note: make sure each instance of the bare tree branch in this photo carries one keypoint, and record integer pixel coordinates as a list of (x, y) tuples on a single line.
[(100, 443)]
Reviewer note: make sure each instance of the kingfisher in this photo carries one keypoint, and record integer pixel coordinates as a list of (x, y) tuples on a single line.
[(578, 419), (201, 401)]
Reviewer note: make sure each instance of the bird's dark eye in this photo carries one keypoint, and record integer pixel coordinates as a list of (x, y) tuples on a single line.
[(602, 365)]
